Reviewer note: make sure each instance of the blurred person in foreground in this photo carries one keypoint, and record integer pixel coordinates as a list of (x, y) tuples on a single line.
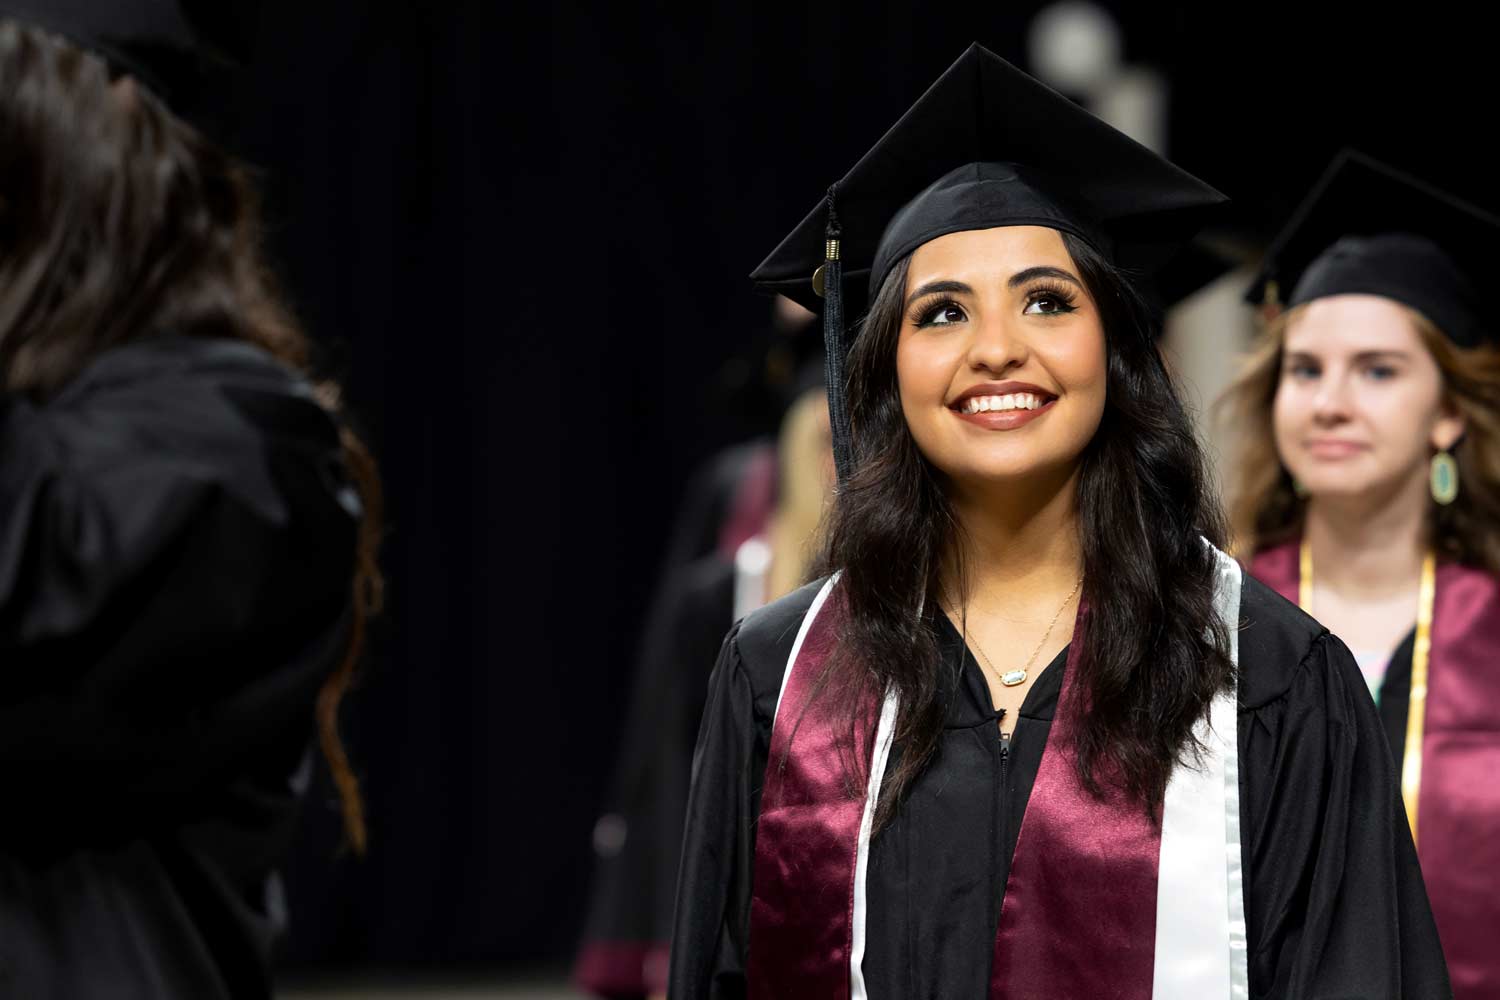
[(187, 557), (1034, 734), (1369, 492), (624, 952)]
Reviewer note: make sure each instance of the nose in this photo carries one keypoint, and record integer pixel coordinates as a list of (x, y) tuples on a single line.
[(996, 345), (1331, 400)]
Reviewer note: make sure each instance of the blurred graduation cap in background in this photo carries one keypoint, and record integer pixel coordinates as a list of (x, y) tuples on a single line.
[(1367, 228)]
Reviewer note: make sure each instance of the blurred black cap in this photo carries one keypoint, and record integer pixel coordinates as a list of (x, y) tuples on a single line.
[(1367, 228)]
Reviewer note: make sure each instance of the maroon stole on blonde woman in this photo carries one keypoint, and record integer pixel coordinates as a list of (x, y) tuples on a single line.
[(1080, 907), (1458, 798)]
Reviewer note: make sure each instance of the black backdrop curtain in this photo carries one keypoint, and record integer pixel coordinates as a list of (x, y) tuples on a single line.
[(520, 233)]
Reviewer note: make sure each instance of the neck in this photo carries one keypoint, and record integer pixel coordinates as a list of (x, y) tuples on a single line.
[(1371, 545), (1020, 544)]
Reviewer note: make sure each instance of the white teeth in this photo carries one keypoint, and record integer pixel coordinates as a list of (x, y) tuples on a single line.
[(1011, 401)]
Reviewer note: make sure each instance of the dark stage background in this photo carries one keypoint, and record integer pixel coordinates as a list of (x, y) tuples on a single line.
[(521, 234)]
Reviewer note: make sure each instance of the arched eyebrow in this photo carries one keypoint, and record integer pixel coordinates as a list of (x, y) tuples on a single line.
[(935, 287), (1033, 273), (1360, 358), (1016, 280)]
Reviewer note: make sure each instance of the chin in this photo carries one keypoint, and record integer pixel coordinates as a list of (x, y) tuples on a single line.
[(991, 471), (1342, 486)]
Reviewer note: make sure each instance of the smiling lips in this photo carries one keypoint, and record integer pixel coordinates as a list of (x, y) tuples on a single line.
[(1002, 406), (1333, 449), (1009, 401)]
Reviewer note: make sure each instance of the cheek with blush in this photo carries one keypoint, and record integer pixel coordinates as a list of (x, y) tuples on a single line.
[(925, 371), (1287, 417)]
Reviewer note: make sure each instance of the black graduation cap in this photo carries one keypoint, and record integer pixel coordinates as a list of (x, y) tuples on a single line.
[(985, 146), (1367, 228), (181, 49)]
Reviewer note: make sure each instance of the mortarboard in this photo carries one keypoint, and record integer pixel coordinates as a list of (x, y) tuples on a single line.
[(1366, 228), (986, 146)]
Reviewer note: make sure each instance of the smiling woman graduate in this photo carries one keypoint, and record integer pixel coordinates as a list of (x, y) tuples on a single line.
[(1033, 734), (1369, 492)]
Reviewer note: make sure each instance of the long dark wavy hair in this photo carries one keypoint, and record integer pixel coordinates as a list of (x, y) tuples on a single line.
[(117, 221), (1154, 652)]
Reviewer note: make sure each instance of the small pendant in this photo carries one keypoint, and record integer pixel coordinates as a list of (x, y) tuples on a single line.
[(1013, 678)]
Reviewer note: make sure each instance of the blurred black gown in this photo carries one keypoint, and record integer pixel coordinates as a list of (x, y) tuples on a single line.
[(175, 564), (622, 952), (629, 923), (1334, 902)]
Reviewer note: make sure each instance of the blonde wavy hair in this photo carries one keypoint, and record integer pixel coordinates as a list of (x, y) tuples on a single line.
[(1264, 509)]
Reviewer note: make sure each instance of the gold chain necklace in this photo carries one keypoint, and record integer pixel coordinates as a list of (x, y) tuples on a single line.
[(1015, 678)]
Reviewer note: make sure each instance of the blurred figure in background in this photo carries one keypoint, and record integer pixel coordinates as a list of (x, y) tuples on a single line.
[(1369, 493), (624, 950), (729, 499), (187, 561)]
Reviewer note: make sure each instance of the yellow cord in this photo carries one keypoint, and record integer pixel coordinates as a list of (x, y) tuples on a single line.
[(1416, 705)]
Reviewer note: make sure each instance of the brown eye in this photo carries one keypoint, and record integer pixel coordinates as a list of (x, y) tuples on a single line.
[(942, 314), (1047, 304)]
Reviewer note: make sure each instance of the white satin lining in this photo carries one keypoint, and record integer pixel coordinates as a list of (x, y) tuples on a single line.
[(1232, 580), (752, 561), (1200, 904), (883, 734), (807, 621)]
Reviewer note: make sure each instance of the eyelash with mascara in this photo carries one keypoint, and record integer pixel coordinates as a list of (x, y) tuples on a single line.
[(924, 311), (1062, 295)]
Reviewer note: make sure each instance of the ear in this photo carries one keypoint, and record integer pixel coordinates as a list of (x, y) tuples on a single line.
[(1449, 427)]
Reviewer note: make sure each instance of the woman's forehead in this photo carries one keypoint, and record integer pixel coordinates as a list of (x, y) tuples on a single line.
[(1352, 324), (994, 253)]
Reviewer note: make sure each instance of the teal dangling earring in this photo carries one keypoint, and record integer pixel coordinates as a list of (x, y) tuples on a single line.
[(1299, 489), (1444, 478)]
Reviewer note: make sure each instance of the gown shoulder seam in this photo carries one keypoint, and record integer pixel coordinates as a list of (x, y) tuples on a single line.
[(1317, 645)]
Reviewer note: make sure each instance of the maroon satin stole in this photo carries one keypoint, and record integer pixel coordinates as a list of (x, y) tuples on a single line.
[(1458, 803), (1079, 915)]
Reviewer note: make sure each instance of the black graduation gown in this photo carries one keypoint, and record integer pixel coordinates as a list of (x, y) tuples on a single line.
[(1395, 696), (637, 839), (1334, 899), (176, 547)]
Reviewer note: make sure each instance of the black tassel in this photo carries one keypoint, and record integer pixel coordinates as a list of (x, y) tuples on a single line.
[(835, 350)]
